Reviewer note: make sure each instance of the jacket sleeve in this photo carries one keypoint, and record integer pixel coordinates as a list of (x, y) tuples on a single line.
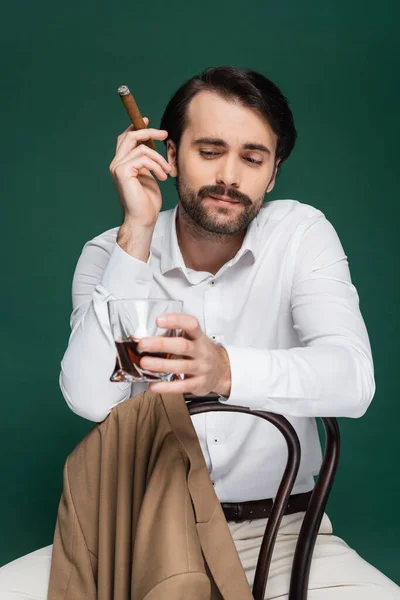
[(104, 271), (331, 373)]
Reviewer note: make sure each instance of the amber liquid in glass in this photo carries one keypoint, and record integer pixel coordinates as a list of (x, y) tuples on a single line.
[(128, 358)]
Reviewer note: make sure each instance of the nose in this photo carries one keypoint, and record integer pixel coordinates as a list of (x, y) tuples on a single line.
[(228, 172)]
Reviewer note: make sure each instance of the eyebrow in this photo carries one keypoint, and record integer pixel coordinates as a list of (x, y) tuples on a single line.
[(223, 144)]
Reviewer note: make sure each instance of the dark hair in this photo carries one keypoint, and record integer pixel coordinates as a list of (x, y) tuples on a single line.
[(249, 87)]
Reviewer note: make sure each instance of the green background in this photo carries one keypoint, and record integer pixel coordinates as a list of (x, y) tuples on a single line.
[(336, 61)]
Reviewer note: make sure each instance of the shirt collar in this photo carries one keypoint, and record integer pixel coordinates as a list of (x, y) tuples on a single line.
[(171, 256)]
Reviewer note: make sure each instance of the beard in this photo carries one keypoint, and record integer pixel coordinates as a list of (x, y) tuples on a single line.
[(218, 220)]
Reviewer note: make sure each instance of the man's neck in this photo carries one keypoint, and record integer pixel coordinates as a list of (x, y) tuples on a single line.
[(202, 250)]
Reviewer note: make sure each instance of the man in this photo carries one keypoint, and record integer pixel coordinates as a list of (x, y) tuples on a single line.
[(271, 318)]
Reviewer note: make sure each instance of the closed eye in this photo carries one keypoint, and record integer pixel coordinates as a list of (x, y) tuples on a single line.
[(211, 154), (253, 160)]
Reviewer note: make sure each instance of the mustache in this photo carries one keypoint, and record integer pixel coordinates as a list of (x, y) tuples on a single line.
[(219, 190)]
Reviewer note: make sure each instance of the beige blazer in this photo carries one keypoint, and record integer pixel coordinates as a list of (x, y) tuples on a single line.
[(138, 517)]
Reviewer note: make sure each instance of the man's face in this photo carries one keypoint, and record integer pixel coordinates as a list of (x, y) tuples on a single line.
[(227, 150)]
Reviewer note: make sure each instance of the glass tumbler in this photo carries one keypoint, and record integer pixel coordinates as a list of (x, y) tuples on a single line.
[(132, 319)]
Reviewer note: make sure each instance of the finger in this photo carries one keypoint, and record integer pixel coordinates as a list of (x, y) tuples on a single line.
[(163, 365), (185, 386), (133, 168), (188, 323), (145, 162), (130, 128), (131, 139), (122, 136), (170, 345), (144, 150)]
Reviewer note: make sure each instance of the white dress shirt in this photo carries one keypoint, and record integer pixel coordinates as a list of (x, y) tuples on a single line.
[(285, 310)]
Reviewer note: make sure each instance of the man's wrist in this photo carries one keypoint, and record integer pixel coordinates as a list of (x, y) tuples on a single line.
[(223, 387), (135, 240)]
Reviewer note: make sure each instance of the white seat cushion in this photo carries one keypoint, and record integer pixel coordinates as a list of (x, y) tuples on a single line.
[(27, 578)]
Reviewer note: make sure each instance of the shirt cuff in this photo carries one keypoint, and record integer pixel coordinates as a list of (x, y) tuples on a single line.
[(126, 276), (249, 377)]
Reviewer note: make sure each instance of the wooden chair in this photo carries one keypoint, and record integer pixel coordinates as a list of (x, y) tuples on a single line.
[(312, 519)]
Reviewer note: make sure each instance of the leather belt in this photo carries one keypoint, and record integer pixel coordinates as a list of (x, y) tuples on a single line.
[(261, 509)]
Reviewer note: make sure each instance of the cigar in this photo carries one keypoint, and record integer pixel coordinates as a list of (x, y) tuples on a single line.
[(134, 113)]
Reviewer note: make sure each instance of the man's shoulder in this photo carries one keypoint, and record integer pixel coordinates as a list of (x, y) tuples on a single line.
[(279, 210)]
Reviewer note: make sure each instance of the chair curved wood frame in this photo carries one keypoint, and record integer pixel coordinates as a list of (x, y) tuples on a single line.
[(313, 516)]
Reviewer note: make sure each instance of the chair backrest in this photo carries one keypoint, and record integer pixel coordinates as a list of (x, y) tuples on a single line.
[(312, 519)]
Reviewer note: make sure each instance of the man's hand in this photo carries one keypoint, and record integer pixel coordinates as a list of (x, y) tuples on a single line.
[(131, 170), (204, 364)]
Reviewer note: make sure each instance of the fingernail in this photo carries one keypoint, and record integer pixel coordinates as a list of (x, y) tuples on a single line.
[(163, 320)]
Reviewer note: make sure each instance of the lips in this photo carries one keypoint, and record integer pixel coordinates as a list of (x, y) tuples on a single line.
[(224, 199)]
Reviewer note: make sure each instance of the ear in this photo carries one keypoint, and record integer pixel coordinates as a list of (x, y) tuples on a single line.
[(171, 157), (272, 182)]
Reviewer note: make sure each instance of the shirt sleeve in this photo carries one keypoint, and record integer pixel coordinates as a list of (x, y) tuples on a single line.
[(331, 373), (103, 272)]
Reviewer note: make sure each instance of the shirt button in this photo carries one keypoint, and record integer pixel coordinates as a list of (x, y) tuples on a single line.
[(216, 440), (212, 282)]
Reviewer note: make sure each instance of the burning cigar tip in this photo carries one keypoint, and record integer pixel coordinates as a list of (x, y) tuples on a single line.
[(123, 90)]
